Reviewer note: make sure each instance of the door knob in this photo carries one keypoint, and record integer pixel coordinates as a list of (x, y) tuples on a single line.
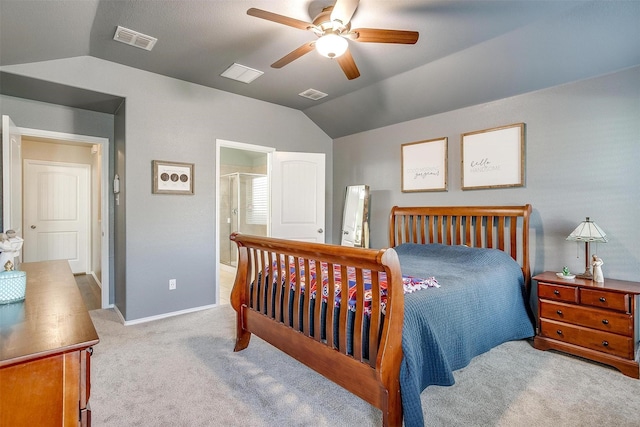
[(320, 230), (33, 227)]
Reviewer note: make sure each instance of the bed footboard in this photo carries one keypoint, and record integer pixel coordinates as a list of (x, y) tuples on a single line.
[(352, 336)]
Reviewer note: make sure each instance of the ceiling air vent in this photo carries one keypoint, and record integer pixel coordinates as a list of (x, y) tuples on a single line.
[(241, 73), (134, 38), (313, 94)]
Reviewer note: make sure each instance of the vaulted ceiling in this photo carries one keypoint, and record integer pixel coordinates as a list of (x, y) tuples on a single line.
[(468, 51)]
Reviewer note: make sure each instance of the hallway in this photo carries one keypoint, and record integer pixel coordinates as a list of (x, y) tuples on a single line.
[(91, 292)]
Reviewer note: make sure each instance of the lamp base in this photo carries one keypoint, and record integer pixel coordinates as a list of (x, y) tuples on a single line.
[(586, 275)]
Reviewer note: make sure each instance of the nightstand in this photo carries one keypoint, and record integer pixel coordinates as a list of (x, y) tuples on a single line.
[(597, 321)]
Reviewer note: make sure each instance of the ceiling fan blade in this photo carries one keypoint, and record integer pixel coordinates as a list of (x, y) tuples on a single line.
[(343, 10), (375, 35), (292, 56), (348, 65), (280, 19)]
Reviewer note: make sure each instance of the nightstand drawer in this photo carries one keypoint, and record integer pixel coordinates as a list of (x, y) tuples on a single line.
[(558, 292), (604, 320), (605, 342), (603, 299)]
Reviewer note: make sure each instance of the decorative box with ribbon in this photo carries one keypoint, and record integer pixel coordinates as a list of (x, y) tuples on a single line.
[(13, 284)]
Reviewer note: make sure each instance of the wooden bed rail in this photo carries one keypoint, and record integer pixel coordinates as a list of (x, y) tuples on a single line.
[(500, 227), (276, 306)]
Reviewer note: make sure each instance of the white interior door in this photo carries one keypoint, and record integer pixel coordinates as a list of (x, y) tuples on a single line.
[(56, 208), (11, 177), (298, 196)]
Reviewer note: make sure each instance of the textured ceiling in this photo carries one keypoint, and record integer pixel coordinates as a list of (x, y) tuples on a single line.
[(469, 52)]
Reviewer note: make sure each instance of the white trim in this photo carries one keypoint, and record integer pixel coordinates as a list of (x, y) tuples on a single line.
[(241, 146), (71, 137), (163, 316), (93, 274), (11, 174), (238, 146), (86, 139)]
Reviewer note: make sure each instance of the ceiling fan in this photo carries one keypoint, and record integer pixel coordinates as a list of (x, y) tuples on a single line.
[(332, 26)]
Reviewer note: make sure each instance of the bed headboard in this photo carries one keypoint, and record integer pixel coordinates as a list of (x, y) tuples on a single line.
[(499, 227)]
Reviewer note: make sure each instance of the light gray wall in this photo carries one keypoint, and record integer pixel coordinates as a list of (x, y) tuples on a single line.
[(582, 154), (169, 236)]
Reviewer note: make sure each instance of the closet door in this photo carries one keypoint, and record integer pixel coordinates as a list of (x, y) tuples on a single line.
[(57, 207)]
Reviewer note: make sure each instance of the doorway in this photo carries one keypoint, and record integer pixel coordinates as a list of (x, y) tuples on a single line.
[(56, 147), (295, 205), (243, 203)]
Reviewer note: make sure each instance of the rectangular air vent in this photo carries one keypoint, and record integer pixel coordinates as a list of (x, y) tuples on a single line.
[(313, 94), (241, 73), (134, 38)]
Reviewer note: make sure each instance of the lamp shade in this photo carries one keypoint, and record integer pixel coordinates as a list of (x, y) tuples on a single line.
[(588, 231), (331, 45)]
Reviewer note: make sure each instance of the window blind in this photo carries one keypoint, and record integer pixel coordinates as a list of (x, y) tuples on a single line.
[(257, 211)]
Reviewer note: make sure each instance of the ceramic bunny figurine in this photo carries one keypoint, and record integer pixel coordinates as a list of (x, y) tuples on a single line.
[(10, 246)]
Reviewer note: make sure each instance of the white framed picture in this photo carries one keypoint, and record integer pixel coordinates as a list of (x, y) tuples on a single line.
[(493, 158), (424, 165)]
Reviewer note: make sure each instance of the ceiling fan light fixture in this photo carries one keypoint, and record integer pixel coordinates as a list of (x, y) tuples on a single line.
[(331, 45)]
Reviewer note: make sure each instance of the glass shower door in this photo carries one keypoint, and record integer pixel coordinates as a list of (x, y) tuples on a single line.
[(243, 208), (228, 218)]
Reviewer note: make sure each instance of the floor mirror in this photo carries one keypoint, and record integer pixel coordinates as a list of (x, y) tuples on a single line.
[(355, 219)]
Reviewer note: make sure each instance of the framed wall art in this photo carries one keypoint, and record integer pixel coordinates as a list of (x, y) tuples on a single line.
[(493, 158), (424, 165), (173, 177)]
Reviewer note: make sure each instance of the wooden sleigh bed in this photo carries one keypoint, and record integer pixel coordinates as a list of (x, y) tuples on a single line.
[(367, 345)]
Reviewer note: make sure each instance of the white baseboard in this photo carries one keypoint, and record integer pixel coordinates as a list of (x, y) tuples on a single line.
[(115, 308), (93, 274), (162, 316)]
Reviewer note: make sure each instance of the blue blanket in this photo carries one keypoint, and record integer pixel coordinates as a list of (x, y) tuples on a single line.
[(480, 304)]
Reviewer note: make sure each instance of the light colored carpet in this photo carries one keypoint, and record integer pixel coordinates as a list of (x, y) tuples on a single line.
[(182, 371)]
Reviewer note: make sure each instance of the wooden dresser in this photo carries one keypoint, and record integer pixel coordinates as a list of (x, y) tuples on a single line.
[(597, 321), (45, 349)]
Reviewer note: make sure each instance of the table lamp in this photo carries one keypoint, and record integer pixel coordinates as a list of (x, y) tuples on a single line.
[(587, 231)]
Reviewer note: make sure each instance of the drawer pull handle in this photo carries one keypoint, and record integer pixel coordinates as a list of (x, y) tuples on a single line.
[(559, 332), (603, 299), (605, 321), (605, 343), (559, 312), (556, 292)]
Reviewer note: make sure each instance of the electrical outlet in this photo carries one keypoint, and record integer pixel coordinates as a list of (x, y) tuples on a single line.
[(172, 284)]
